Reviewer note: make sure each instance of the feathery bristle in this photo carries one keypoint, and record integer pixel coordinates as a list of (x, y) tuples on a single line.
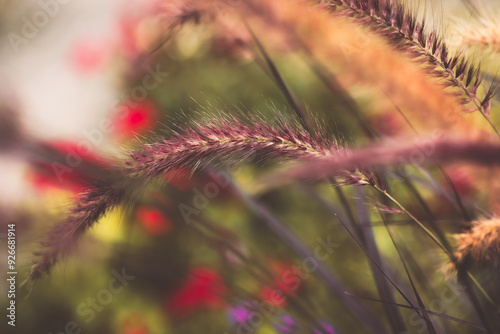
[(286, 25), (230, 141), (481, 243), (62, 239), (224, 143), (391, 19), (340, 47), (484, 33)]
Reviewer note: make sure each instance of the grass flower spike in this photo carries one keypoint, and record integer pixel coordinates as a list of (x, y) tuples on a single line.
[(395, 22), (224, 142), (480, 244)]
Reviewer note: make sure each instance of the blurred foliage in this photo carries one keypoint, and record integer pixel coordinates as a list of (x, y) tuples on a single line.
[(152, 242)]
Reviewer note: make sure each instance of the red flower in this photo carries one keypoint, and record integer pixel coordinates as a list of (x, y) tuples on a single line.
[(135, 118), (153, 220), (202, 290), (65, 172), (267, 292)]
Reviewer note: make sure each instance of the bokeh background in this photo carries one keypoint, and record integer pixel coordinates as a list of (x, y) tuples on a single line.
[(74, 80)]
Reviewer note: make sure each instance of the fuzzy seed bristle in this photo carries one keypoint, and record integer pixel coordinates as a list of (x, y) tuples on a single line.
[(394, 21), (481, 243), (485, 33), (222, 143)]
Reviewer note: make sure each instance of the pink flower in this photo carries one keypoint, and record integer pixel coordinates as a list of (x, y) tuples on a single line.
[(90, 55)]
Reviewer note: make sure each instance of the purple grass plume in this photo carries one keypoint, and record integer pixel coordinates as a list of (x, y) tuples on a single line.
[(394, 21), (372, 157), (221, 142)]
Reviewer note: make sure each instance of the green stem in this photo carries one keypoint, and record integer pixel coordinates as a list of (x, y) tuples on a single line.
[(422, 226), (436, 240)]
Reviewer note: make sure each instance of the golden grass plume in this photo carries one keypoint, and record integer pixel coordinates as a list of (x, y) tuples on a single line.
[(481, 243)]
